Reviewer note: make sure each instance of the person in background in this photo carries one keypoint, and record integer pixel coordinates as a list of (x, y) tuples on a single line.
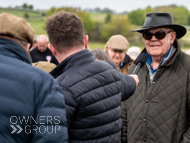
[(100, 55), (133, 52), (34, 43), (92, 88), (32, 105), (42, 52), (159, 110), (116, 48)]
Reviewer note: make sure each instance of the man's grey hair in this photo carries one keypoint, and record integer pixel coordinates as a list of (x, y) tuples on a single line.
[(39, 37)]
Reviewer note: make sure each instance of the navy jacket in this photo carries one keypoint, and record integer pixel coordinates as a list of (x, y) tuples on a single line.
[(92, 92), (32, 107)]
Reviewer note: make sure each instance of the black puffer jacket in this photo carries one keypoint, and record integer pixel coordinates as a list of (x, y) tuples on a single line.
[(92, 92), (32, 107)]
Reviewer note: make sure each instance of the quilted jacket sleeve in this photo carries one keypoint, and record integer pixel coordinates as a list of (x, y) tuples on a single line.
[(50, 112), (124, 122), (71, 105), (186, 136), (128, 86)]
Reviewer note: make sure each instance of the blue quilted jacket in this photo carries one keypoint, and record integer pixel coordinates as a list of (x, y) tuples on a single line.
[(32, 107)]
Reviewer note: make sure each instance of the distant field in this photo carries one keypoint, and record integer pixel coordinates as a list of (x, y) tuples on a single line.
[(38, 25), (95, 45), (20, 12), (99, 17)]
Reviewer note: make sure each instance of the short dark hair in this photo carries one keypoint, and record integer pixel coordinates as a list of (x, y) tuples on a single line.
[(65, 30)]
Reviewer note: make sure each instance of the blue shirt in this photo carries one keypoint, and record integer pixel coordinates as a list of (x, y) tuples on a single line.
[(149, 61)]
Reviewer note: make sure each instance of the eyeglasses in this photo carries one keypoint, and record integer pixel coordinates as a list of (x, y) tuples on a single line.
[(159, 35)]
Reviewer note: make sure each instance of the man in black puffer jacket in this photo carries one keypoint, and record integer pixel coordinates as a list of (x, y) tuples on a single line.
[(32, 107), (92, 88)]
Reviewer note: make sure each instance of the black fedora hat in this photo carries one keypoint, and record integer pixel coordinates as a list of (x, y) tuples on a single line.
[(158, 19)]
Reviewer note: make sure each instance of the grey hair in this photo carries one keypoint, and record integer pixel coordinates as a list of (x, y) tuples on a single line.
[(39, 37)]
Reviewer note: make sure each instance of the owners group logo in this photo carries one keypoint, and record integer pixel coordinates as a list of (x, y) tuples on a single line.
[(40, 124)]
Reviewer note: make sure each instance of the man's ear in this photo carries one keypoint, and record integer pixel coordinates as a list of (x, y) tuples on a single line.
[(52, 49), (28, 47), (86, 41), (173, 37), (107, 48)]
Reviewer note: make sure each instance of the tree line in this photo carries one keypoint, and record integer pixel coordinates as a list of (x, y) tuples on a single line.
[(118, 23), (121, 24)]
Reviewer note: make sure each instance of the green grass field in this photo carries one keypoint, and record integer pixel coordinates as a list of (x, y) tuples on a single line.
[(98, 17), (38, 25), (20, 12), (95, 45)]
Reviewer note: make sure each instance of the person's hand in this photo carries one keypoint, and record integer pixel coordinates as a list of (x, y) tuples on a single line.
[(135, 77)]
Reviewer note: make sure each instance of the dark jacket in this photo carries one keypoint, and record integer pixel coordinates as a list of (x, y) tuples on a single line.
[(32, 107), (126, 61), (37, 56), (158, 111), (92, 92)]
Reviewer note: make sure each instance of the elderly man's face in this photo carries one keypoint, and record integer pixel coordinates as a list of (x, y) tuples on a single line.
[(42, 45), (117, 56), (159, 47)]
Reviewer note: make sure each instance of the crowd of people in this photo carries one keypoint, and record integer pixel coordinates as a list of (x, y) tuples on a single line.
[(55, 89)]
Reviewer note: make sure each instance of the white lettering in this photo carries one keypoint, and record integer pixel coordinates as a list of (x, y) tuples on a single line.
[(57, 120), (41, 120), (49, 120), (14, 120), (28, 129), (57, 128), (42, 129), (23, 119)]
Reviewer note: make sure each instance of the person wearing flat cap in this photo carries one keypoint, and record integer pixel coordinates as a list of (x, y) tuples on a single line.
[(159, 109), (32, 104), (116, 48)]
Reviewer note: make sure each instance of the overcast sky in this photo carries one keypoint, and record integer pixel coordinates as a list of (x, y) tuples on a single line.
[(116, 5)]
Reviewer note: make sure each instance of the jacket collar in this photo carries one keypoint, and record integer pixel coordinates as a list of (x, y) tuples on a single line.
[(12, 49), (81, 57)]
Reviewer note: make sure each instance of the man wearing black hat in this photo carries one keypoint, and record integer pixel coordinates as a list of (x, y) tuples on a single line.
[(158, 111)]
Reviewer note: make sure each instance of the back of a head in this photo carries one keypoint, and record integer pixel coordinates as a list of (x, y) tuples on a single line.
[(42, 38), (100, 54), (16, 27), (65, 30), (117, 42), (133, 52)]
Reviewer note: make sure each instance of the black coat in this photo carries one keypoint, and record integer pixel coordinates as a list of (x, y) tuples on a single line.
[(126, 61), (37, 56), (92, 92), (29, 98)]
